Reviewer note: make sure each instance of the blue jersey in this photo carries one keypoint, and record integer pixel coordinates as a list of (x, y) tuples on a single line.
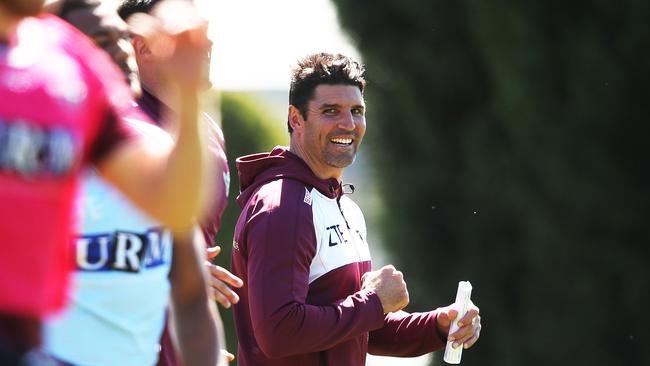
[(120, 287)]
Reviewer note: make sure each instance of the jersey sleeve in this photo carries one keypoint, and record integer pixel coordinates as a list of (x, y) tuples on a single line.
[(406, 335), (281, 244)]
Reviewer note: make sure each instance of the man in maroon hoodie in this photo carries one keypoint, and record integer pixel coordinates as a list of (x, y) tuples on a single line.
[(309, 295)]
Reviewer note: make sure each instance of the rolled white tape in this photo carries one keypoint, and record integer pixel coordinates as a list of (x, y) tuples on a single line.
[(453, 355)]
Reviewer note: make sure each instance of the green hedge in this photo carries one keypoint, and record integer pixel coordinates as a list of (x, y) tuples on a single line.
[(515, 136)]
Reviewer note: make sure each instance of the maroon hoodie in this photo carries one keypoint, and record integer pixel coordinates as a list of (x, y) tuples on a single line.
[(300, 248)]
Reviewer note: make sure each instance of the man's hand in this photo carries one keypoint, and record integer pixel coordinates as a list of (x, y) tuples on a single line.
[(389, 285), (469, 327), (220, 278)]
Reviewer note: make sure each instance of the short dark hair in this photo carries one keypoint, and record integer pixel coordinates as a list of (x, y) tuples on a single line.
[(69, 5), (322, 68), (130, 7)]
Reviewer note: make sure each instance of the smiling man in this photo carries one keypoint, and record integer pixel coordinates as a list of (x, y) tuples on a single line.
[(309, 295)]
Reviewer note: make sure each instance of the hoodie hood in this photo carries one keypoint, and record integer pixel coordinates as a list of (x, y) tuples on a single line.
[(257, 169)]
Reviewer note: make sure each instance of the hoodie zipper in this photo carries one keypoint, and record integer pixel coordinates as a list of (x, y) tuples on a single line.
[(338, 203), (350, 233)]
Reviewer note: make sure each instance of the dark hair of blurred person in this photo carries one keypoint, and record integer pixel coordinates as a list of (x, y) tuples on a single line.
[(130, 7)]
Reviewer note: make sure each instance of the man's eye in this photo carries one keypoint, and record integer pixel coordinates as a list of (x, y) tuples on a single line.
[(357, 111), (329, 111)]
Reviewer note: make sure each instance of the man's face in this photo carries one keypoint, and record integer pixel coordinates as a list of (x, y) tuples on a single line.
[(23, 7), (334, 128), (102, 25), (171, 17)]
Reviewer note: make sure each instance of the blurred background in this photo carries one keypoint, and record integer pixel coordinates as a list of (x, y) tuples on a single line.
[(506, 145)]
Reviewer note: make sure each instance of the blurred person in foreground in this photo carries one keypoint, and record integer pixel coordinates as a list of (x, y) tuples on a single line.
[(63, 107), (126, 263), (309, 295), (157, 101)]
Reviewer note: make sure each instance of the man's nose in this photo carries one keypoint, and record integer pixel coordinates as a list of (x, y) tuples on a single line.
[(346, 122)]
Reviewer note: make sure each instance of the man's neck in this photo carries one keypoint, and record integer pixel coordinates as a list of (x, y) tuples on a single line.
[(322, 172), (168, 104), (157, 87)]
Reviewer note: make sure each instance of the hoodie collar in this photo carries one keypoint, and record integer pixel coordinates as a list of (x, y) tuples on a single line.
[(257, 169)]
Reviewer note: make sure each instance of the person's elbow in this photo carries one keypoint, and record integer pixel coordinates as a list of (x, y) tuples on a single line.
[(275, 350)]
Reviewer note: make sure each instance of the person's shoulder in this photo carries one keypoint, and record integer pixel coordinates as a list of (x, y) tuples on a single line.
[(217, 142), (142, 127), (347, 204), (283, 193), (213, 126)]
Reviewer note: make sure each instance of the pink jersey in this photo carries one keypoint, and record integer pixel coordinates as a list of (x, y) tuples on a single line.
[(56, 115)]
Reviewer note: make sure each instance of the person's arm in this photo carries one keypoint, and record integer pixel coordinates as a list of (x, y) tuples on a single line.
[(196, 323), (406, 335), (281, 243), (168, 180)]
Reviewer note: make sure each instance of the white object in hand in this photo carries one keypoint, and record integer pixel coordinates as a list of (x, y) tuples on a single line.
[(452, 355)]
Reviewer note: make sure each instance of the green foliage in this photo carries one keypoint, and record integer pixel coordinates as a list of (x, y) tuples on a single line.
[(249, 126), (515, 135)]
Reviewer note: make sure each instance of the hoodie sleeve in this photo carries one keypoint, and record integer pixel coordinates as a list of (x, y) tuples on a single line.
[(406, 335), (280, 244)]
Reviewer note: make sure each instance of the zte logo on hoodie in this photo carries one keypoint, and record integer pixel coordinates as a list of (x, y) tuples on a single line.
[(336, 235)]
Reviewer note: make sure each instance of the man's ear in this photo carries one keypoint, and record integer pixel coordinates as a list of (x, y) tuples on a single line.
[(296, 121), (141, 47)]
